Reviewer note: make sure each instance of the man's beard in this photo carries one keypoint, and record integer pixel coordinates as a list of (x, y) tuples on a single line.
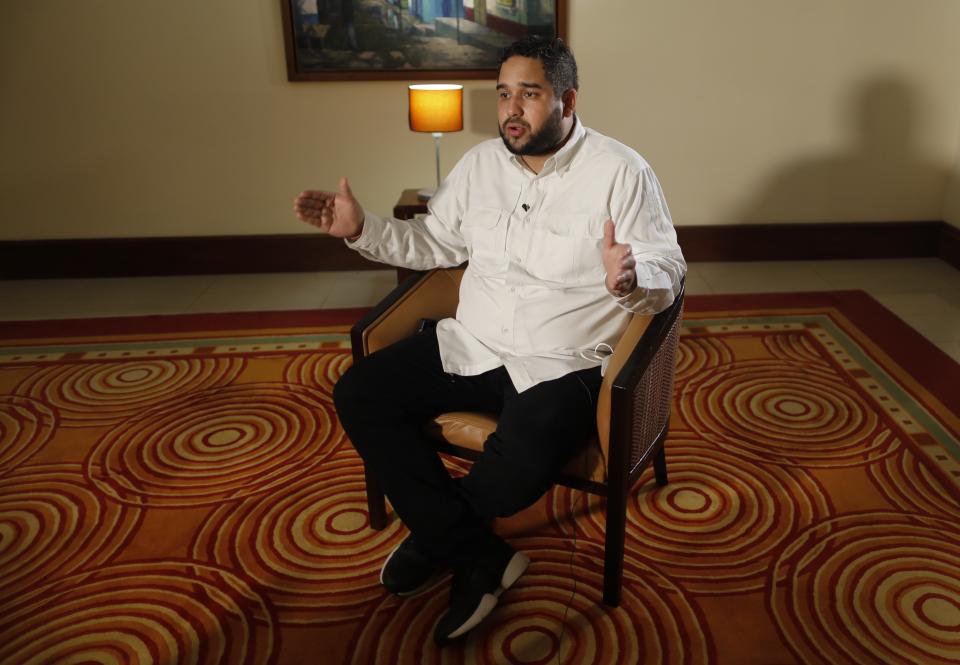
[(544, 142)]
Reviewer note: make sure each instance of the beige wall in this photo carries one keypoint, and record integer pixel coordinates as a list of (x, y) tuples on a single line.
[(174, 117)]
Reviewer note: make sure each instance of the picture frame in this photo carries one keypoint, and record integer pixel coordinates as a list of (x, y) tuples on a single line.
[(367, 40)]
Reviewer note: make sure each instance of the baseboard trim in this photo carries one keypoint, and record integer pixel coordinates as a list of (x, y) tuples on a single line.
[(949, 247), (204, 255), (784, 242)]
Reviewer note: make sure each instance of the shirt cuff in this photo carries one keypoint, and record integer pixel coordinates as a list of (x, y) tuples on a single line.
[(372, 229), (654, 291)]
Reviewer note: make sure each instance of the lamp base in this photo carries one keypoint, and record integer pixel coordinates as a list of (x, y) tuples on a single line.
[(426, 193)]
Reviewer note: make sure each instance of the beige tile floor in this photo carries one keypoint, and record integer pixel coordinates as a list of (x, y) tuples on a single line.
[(923, 292)]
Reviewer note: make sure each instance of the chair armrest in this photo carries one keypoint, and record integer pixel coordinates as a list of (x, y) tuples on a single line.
[(639, 391), (624, 349), (432, 295)]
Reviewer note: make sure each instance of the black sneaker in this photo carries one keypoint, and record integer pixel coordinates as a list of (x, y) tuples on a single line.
[(476, 587), (407, 570)]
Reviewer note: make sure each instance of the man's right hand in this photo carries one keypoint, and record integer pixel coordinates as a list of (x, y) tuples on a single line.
[(619, 263), (337, 213)]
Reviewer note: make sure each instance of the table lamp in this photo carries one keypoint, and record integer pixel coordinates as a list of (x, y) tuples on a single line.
[(435, 108)]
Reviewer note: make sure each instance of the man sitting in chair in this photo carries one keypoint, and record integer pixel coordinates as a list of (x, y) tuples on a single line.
[(567, 233)]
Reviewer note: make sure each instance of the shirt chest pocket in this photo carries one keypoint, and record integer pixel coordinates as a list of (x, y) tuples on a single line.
[(485, 230), (565, 248)]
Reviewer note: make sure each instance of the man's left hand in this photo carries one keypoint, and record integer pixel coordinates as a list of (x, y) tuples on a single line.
[(618, 262)]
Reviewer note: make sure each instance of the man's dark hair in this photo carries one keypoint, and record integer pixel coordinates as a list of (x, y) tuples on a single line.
[(559, 66)]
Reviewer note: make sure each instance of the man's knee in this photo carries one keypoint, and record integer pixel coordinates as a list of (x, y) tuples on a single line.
[(369, 388), (350, 391)]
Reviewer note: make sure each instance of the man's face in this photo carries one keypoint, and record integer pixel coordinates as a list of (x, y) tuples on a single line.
[(531, 118)]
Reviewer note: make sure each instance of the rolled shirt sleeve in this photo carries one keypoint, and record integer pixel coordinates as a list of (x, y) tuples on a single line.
[(642, 220), (432, 241)]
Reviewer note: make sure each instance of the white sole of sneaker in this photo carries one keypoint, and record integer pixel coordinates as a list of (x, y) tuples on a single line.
[(515, 568)]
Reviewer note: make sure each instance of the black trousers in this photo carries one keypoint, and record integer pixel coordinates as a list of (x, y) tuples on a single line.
[(384, 400)]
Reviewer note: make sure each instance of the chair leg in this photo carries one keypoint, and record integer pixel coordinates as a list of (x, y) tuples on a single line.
[(613, 548), (376, 505), (660, 466)]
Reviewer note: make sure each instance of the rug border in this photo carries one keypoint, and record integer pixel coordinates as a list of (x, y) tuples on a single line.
[(914, 353), (179, 323)]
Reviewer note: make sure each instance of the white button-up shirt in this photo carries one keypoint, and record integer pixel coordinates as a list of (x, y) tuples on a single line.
[(533, 296)]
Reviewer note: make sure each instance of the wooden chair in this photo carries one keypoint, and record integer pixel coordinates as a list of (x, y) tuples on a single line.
[(633, 410)]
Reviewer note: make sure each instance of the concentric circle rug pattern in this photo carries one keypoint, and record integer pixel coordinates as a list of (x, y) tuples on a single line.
[(190, 497)]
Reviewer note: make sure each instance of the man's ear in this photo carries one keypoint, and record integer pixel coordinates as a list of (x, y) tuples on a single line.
[(569, 99)]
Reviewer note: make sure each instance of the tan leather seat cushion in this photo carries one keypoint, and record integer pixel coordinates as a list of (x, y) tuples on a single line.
[(470, 430)]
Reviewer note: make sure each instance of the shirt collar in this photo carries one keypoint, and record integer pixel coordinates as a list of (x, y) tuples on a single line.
[(564, 155), (560, 160)]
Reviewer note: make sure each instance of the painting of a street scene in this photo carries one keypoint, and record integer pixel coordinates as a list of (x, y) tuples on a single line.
[(394, 38)]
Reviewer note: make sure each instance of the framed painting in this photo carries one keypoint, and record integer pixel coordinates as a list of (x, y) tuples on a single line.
[(336, 40)]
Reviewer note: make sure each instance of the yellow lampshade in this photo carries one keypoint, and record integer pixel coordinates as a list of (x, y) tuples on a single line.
[(436, 107)]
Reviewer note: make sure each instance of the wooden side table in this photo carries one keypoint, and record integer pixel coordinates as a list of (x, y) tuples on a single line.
[(409, 205)]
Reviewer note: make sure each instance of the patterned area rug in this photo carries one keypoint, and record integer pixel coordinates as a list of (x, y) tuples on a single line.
[(178, 490)]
